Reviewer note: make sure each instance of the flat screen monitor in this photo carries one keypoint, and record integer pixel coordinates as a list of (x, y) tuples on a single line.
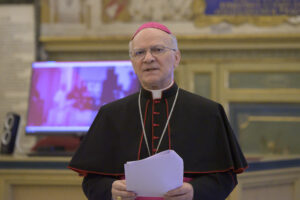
[(66, 96)]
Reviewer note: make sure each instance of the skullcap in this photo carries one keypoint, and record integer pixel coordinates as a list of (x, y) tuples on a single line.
[(152, 25)]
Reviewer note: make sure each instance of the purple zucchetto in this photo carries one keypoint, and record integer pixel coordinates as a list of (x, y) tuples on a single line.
[(152, 25)]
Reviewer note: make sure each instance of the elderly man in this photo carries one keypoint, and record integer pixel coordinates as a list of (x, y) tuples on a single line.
[(159, 117)]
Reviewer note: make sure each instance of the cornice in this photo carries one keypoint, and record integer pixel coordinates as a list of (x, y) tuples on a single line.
[(199, 42), (109, 43)]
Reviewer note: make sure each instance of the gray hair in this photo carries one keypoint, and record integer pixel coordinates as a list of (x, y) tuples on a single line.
[(173, 40)]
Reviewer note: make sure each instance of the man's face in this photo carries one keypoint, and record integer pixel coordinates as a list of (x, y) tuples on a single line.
[(154, 71)]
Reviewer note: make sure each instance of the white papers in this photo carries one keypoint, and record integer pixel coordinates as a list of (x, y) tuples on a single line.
[(155, 175)]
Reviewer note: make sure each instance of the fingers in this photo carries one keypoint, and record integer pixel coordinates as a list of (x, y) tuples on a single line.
[(123, 195), (119, 190), (123, 198), (185, 192), (119, 185)]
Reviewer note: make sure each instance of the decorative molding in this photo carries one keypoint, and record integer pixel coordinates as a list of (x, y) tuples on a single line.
[(190, 43), (266, 184), (261, 21), (239, 12), (35, 183)]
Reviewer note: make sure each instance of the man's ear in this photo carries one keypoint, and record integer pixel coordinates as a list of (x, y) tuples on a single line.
[(177, 58)]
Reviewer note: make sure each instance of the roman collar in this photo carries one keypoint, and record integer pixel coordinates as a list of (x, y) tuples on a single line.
[(168, 92)]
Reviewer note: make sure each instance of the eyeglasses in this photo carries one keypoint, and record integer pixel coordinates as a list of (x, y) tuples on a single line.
[(154, 50)]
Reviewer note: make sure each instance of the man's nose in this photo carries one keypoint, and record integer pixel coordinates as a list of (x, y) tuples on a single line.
[(148, 56)]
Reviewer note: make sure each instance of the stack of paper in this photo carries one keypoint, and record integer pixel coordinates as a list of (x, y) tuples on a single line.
[(155, 175)]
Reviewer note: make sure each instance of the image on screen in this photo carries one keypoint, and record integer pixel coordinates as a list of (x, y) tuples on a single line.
[(66, 96)]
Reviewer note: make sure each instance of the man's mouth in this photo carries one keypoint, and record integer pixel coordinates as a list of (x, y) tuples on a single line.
[(150, 69)]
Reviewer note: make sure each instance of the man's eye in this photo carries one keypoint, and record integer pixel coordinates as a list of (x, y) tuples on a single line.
[(157, 49), (139, 52)]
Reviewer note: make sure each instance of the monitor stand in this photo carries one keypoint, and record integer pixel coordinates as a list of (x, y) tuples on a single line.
[(55, 146)]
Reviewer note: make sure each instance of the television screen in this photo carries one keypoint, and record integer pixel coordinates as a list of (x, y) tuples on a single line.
[(66, 96)]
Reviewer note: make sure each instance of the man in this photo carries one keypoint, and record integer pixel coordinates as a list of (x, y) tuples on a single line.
[(159, 117)]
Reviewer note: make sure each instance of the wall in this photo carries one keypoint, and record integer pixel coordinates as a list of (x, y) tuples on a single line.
[(249, 63)]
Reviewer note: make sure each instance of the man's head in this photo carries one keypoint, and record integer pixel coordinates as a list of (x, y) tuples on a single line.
[(154, 54)]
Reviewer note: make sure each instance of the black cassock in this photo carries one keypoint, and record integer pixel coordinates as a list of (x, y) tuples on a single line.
[(198, 131)]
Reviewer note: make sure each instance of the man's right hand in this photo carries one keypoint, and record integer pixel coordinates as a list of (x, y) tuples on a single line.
[(119, 191)]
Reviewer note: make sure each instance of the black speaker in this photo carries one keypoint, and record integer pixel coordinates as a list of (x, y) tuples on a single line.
[(9, 134)]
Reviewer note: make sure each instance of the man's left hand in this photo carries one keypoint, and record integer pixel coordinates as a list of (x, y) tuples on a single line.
[(185, 192)]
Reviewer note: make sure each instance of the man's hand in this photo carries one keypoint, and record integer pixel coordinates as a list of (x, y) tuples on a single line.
[(119, 191), (185, 192)]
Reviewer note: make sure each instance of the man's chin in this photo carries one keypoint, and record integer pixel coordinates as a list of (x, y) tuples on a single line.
[(153, 84)]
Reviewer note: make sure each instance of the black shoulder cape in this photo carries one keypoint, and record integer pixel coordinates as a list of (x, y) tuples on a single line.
[(198, 131)]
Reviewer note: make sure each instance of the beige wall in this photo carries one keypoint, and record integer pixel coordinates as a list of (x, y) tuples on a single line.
[(212, 52), (210, 55), (22, 184)]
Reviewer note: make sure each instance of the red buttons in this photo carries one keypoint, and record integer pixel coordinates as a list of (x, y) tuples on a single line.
[(156, 113), (155, 125), (155, 137)]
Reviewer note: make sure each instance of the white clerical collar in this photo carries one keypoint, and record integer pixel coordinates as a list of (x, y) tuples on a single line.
[(156, 94)]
